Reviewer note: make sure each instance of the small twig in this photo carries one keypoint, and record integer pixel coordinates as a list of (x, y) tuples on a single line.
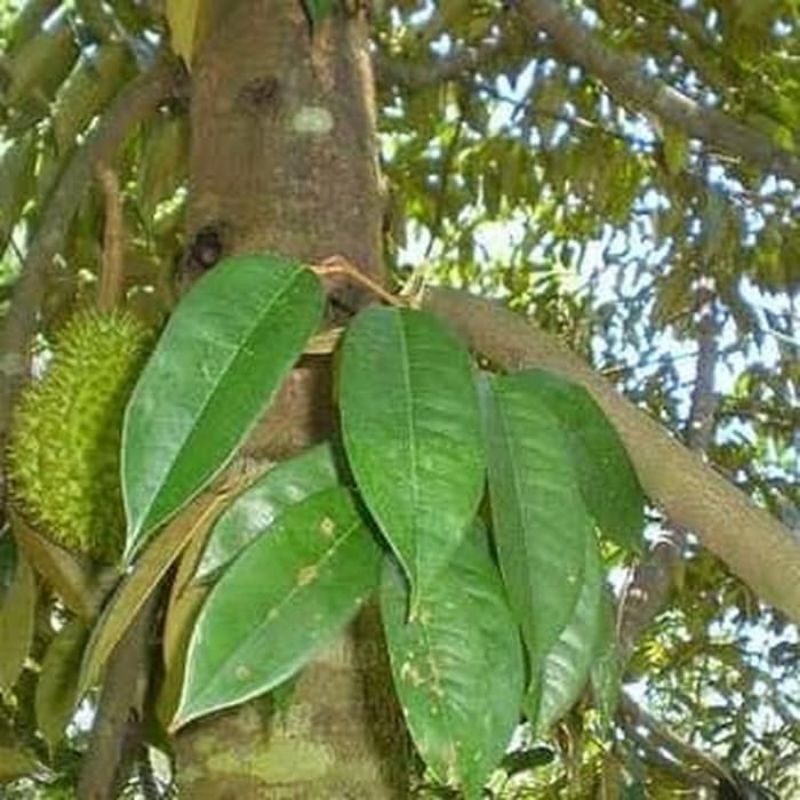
[(112, 269), (339, 265)]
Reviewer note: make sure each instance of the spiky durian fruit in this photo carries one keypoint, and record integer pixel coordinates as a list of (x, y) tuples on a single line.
[(63, 460)]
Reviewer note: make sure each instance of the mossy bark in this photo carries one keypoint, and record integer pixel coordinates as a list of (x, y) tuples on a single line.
[(284, 158)]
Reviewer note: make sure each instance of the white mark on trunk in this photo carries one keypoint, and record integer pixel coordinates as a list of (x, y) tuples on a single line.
[(314, 120)]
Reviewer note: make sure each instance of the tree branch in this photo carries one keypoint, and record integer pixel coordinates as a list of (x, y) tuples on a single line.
[(117, 729), (664, 748), (414, 74), (648, 591), (625, 78), (136, 101), (754, 545)]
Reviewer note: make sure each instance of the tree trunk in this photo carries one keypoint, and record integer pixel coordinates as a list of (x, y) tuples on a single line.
[(284, 158)]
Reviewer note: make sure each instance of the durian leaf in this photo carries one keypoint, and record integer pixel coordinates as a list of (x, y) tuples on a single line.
[(282, 600), (134, 591), (540, 522), (317, 10), (57, 687), (255, 510), (186, 598), (77, 582), (607, 669), (411, 431), (608, 482), (186, 25), (17, 618), (215, 369), (164, 161), (457, 664), (16, 762), (559, 679)]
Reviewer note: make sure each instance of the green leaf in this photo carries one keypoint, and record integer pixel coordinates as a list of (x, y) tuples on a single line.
[(607, 669), (317, 10), (676, 150), (608, 482), (283, 599), (411, 430), (164, 161), (186, 26), (16, 762), (262, 504), (457, 665), (57, 687), (17, 618), (217, 365), (136, 588), (559, 680), (540, 522)]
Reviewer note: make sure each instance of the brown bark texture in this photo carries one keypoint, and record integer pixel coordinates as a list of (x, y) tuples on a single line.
[(283, 158)]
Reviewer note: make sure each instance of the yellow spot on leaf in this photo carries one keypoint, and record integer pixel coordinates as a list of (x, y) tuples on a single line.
[(307, 575)]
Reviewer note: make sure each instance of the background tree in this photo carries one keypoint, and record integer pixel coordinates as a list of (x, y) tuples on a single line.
[(623, 174)]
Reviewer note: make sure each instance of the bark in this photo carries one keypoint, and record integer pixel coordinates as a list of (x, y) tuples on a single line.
[(754, 545), (283, 157)]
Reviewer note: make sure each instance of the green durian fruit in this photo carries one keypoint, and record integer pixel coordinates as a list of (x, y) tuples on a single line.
[(63, 459)]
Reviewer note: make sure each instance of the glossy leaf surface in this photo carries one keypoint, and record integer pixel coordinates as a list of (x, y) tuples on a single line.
[(411, 429), (607, 668), (17, 619), (457, 665), (608, 482), (540, 522), (57, 687), (559, 680), (282, 600), (220, 360), (256, 509), (137, 587)]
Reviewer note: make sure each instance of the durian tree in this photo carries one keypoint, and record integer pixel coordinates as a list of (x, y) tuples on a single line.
[(399, 399)]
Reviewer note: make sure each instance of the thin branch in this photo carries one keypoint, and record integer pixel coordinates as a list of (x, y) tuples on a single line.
[(112, 270), (665, 748), (339, 265), (754, 545), (116, 735), (415, 75), (135, 102), (625, 78)]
